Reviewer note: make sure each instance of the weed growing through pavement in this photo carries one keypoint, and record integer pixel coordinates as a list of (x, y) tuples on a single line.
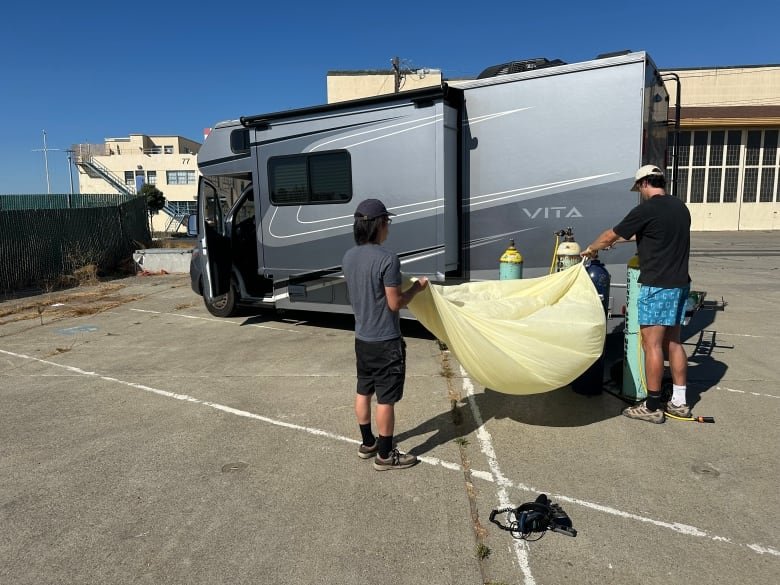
[(483, 551)]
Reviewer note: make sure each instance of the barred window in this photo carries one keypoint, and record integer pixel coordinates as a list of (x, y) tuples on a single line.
[(726, 166)]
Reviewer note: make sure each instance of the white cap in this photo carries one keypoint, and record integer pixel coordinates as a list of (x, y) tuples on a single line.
[(644, 172)]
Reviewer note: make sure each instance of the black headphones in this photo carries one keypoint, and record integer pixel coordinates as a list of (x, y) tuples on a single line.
[(534, 518)]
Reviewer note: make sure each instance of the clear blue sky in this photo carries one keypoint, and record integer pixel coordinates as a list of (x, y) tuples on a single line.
[(84, 71)]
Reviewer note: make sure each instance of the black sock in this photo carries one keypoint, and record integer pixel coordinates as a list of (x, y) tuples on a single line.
[(653, 401), (385, 446), (368, 436)]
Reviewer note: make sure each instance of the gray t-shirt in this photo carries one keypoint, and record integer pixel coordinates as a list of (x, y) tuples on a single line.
[(369, 269)]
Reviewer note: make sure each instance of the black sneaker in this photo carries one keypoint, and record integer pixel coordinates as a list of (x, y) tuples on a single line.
[(368, 452), (396, 460)]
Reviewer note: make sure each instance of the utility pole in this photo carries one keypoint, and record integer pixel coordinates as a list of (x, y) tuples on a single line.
[(396, 74), (70, 173)]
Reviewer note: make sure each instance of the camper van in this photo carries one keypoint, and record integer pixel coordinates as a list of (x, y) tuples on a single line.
[(519, 153)]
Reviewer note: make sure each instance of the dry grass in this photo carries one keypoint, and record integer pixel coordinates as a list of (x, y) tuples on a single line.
[(87, 300)]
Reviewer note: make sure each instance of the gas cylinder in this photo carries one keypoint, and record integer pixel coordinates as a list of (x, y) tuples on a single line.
[(568, 252), (601, 279), (633, 354), (510, 265), (591, 381)]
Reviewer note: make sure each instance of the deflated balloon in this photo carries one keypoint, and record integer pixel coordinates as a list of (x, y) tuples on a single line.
[(518, 336)]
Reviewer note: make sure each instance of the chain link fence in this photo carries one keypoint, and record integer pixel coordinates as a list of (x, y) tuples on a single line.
[(43, 240)]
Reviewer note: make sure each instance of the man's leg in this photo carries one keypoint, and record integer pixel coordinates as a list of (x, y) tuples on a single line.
[(678, 364), (364, 393), (385, 419), (652, 343), (678, 359), (363, 409), (653, 346)]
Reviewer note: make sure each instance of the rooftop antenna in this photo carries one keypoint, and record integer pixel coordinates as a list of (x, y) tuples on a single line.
[(45, 151)]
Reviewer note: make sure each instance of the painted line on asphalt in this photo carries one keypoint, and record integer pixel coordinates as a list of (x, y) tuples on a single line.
[(747, 335), (488, 476), (502, 483), (223, 321), (746, 392)]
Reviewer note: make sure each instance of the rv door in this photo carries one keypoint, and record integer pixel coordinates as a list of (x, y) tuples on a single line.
[(215, 240)]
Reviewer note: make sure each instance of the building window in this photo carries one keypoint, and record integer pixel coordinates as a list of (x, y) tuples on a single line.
[(168, 149), (180, 177), (151, 177), (726, 166), (130, 178), (310, 178)]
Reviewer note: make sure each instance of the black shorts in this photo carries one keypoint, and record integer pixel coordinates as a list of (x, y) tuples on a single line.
[(381, 369)]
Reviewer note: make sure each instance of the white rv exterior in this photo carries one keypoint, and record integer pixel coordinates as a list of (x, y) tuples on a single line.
[(465, 166)]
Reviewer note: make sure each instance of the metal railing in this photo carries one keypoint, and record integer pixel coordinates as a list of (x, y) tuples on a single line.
[(108, 175), (179, 213)]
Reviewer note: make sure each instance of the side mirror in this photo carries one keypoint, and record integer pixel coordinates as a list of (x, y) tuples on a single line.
[(192, 225)]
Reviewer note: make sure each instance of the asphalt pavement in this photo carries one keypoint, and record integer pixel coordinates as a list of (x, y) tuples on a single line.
[(144, 441)]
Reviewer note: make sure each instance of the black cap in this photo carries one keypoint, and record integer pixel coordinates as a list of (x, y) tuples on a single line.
[(371, 209)]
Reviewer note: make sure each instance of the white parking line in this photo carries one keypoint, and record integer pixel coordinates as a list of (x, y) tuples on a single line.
[(484, 475), (486, 445), (223, 321), (745, 392)]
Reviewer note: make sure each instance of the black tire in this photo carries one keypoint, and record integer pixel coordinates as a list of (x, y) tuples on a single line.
[(225, 305)]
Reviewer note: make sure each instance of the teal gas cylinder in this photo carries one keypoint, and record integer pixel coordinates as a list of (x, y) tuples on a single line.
[(510, 265), (633, 354)]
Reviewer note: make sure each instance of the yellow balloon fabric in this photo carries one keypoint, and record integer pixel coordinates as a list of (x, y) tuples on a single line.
[(518, 336)]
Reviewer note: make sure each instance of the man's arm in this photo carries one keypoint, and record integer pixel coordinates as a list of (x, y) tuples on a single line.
[(397, 300), (604, 241)]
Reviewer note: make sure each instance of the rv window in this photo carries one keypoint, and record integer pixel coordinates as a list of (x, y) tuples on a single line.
[(310, 179), (239, 141)]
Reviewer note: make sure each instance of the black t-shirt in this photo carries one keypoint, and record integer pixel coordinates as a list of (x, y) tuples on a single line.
[(662, 226)]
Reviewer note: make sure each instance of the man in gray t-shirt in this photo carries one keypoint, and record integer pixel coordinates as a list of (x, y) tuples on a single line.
[(373, 276)]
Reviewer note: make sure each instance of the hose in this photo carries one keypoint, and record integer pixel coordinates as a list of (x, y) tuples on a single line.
[(555, 253)]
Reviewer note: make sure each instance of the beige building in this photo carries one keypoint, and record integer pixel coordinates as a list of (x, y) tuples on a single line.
[(123, 165), (350, 85), (728, 163)]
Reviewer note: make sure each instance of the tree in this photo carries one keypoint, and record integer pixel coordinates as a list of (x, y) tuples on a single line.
[(155, 201)]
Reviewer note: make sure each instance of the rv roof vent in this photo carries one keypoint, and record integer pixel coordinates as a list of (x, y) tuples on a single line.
[(519, 66)]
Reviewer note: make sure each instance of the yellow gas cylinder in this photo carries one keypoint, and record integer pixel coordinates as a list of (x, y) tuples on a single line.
[(510, 265), (568, 252)]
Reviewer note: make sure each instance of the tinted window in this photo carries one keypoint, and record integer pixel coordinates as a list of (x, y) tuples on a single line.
[(308, 179)]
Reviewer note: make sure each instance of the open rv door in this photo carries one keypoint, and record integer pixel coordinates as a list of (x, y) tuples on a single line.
[(215, 241)]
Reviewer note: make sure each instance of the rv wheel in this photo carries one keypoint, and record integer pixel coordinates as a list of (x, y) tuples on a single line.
[(225, 305)]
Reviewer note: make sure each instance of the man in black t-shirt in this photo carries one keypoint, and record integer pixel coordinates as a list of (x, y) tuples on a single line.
[(661, 225)]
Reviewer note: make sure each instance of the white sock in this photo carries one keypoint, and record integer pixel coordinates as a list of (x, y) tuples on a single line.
[(678, 395)]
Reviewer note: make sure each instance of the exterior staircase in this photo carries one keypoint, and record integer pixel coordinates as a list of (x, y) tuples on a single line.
[(179, 213), (85, 160)]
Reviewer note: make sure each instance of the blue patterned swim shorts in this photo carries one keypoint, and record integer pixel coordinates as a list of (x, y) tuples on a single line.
[(662, 306)]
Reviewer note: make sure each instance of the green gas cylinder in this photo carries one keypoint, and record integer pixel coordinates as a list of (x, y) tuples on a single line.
[(510, 265), (633, 354)]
